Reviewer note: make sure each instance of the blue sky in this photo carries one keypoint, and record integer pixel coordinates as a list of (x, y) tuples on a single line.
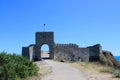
[(84, 22)]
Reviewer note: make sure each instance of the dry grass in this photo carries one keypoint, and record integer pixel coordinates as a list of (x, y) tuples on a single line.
[(41, 73), (91, 69), (43, 70), (87, 67)]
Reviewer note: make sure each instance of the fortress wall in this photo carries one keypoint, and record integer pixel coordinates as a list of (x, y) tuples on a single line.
[(94, 52), (84, 53), (68, 52), (71, 52), (67, 45), (65, 52), (28, 52), (31, 52), (25, 52)]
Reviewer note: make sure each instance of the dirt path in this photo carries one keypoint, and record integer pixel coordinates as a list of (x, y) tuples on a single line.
[(63, 71)]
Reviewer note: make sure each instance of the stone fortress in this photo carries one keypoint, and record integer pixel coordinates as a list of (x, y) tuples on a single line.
[(63, 52), (72, 52)]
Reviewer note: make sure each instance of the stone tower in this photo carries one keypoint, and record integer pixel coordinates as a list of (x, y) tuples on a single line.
[(41, 39), (33, 51)]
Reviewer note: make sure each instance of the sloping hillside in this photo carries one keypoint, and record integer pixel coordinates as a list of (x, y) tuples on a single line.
[(107, 58)]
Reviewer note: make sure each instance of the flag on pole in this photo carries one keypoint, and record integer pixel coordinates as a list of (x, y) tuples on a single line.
[(44, 25)]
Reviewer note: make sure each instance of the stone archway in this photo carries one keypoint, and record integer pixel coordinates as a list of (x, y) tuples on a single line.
[(45, 51), (44, 38)]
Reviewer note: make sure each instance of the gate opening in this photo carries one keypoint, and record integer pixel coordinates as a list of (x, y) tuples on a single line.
[(45, 52)]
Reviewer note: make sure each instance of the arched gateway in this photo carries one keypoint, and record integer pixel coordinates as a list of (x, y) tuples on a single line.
[(33, 52), (44, 38)]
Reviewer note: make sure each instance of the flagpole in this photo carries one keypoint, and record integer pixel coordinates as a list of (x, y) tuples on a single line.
[(44, 27)]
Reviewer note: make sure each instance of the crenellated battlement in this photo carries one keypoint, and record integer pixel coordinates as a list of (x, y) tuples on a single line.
[(70, 45), (72, 52)]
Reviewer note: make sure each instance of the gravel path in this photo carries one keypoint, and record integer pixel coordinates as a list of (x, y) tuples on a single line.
[(63, 71)]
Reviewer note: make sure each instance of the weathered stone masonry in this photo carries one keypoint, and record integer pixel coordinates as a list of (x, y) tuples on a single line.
[(64, 52), (33, 52), (72, 52)]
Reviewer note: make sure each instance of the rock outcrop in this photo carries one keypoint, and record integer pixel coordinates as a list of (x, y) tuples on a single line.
[(107, 58)]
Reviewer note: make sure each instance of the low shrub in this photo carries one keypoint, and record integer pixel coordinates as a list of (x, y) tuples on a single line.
[(16, 67), (1, 72), (117, 73)]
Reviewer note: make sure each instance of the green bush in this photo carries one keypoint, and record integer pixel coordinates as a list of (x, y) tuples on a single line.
[(117, 73), (16, 67), (1, 72)]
